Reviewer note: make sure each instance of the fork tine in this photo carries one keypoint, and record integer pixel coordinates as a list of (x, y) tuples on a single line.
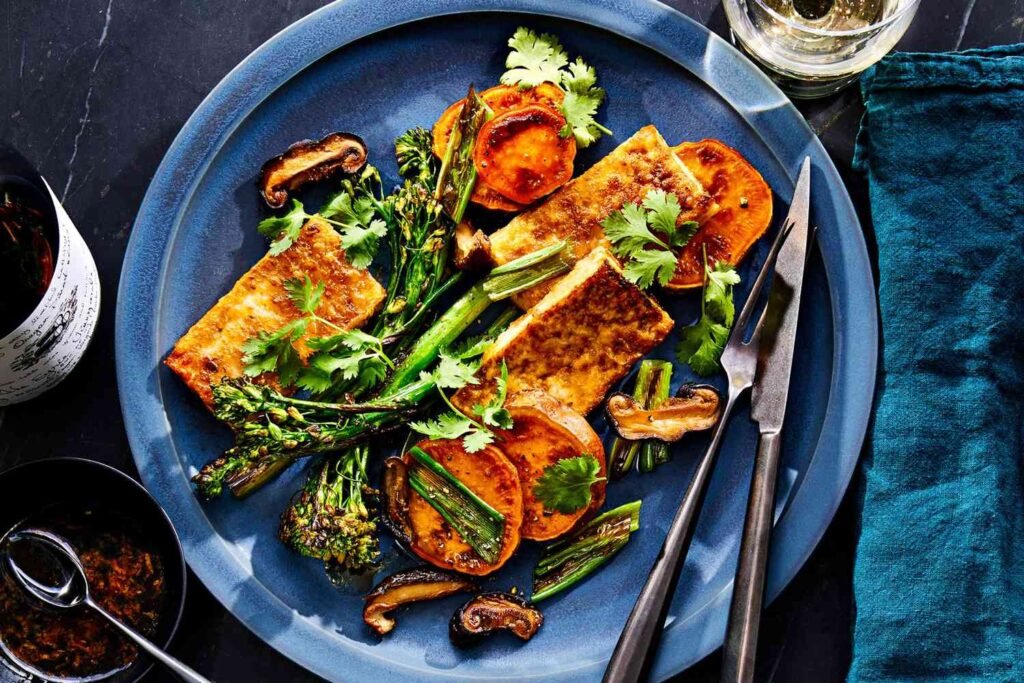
[(739, 329)]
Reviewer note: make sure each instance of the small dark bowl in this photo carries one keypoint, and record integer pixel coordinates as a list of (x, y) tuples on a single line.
[(27, 489)]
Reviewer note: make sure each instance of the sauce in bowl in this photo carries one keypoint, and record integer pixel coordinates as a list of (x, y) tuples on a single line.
[(126, 577)]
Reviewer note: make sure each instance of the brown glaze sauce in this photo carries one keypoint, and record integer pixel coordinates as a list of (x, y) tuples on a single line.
[(125, 576)]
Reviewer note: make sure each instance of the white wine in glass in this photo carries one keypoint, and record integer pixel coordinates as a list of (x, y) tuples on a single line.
[(813, 48)]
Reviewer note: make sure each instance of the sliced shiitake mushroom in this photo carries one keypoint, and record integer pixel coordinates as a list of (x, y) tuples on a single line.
[(411, 585), (694, 409), (309, 161), (472, 248), (395, 491), (490, 612)]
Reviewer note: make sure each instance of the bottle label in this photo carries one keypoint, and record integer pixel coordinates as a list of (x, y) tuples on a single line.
[(46, 347)]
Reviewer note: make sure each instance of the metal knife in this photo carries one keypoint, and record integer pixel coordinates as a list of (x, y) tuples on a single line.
[(768, 409)]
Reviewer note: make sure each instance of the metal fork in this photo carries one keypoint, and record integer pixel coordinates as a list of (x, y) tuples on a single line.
[(634, 653)]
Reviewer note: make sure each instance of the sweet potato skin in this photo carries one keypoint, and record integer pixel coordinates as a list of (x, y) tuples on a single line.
[(486, 196), (521, 154), (490, 475), (727, 236), (544, 431)]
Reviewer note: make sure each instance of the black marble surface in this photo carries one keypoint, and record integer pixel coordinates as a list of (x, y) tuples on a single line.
[(93, 92)]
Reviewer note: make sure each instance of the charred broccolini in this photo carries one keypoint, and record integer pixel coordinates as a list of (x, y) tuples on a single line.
[(331, 518)]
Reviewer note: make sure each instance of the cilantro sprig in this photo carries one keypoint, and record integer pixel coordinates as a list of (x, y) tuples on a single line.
[(354, 219), (537, 59), (701, 344), (349, 355), (565, 485), (454, 373), (644, 236)]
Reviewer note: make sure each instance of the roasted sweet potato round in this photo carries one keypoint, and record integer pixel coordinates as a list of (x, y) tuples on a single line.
[(490, 475), (521, 154), (544, 431), (489, 198), (500, 98), (746, 209)]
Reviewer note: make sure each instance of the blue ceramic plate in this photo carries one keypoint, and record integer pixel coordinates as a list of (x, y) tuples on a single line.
[(378, 68)]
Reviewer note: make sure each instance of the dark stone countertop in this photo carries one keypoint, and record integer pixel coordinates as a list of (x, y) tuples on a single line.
[(93, 92)]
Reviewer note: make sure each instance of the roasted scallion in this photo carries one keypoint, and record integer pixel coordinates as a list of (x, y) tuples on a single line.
[(567, 562), (654, 452), (652, 384), (479, 524), (458, 171)]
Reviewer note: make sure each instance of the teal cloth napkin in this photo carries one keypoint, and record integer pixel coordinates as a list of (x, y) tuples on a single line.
[(939, 574)]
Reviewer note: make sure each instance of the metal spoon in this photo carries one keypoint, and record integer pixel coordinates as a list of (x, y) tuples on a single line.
[(72, 588)]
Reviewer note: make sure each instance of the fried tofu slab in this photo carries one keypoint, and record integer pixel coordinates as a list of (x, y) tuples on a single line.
[(212, 348), (577, 342), (642, 163)]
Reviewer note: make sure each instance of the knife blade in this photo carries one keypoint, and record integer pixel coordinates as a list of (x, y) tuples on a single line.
[(775, 362), (768, 408)]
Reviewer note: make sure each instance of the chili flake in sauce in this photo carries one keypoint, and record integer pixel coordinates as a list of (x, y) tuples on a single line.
[(125, 576)]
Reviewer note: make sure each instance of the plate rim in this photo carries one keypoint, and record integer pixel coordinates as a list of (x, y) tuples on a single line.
[(276, 61)]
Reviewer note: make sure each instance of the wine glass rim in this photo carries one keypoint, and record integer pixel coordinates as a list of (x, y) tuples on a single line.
[(895, 16)]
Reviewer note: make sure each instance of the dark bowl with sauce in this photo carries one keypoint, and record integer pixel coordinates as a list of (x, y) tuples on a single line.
[(132, 556)]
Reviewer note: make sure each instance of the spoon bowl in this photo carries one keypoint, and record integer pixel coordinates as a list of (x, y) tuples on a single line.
[(64, 584), (28, 492)]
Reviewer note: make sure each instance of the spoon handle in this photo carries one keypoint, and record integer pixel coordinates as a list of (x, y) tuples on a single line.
[(184, 672)]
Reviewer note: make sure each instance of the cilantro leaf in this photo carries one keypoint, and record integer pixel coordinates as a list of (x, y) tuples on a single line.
[(582, 99), (649, 265), (684, 233), (628, 232), (361, 242), (453, 373), (718, 292), (351, 356), (476, 439), (537, 59), (635, 232), (284, 230), (452, 425), (444, 426), (274, 352), (580, 78), (565, 486), (701, 344), (355, 221), (494, 414), (304, 294), (662, 211), (534, 59)]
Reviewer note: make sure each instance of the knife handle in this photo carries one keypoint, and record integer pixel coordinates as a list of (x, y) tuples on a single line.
[(748, 590), (634, 653)]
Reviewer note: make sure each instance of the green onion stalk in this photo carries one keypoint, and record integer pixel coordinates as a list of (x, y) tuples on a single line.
[(564, 564), (479, 524), (650, 390)]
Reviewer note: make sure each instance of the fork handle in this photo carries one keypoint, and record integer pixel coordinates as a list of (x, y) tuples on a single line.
[(748, 591), (634, 653)]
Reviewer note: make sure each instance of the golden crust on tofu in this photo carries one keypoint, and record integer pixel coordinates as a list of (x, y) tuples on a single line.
[(258, 302), (642, 163), (577, 342)]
